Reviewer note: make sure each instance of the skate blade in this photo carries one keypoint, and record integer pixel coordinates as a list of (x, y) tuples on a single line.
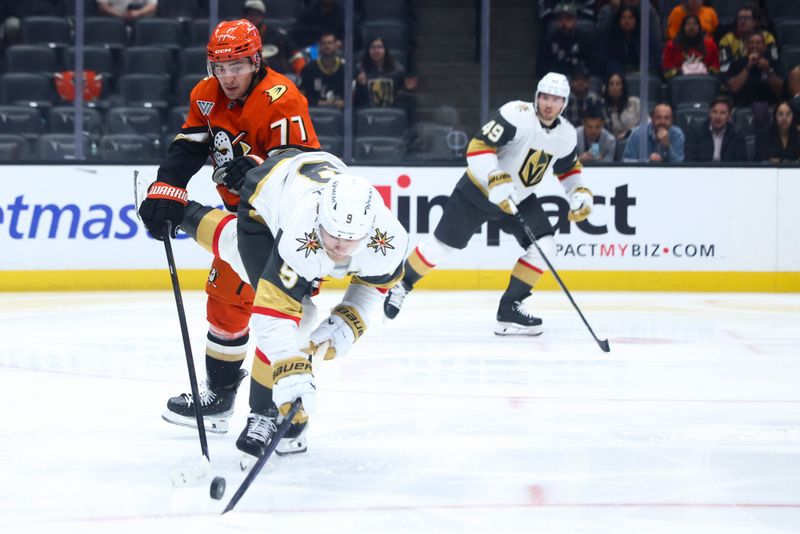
[(213, 425), (247, 461), (512, 329)]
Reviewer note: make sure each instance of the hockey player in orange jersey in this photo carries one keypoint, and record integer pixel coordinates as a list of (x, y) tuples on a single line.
[(241, 109)]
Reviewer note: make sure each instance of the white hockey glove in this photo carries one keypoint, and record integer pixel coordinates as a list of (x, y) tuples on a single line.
[(294, 380), (336, 334), (580, 204), (501, 187)]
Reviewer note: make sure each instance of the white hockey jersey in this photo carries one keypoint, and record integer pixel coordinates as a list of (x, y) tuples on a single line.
[(515, 141), (283, 194)]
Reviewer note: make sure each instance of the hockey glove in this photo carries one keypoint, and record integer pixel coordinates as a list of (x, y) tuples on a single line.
[(232, 173), (164, 203), (336, 334), (501, 187), (293, 379), (580, 204)]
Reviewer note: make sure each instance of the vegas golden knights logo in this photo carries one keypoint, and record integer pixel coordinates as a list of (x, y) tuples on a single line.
[(532, 170), (381, 91)]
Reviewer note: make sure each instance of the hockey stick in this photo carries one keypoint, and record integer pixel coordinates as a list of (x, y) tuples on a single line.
[(603, 343), (187, 347), (276, 438), (194, 475)]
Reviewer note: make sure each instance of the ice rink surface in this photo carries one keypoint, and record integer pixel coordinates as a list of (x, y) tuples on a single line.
[(430, 424)]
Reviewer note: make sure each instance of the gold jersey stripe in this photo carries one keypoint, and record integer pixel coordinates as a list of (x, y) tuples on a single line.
[(270, 296), (253, 214), (208, 227), (263, 181), (385, 285), (476, 145)]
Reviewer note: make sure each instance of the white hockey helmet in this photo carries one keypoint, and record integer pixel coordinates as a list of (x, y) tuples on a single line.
[(555, 84), (347, 207)]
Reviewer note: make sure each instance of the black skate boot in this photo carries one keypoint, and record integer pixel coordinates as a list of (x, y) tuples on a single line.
[(256, 434), (216, 404), (394, 300), (514, 319)]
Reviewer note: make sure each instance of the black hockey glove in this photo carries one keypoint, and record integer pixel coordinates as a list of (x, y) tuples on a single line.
[(164, 203), (232, 173)]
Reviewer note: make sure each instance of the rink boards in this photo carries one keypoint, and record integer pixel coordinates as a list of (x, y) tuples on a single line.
[(681, 229)]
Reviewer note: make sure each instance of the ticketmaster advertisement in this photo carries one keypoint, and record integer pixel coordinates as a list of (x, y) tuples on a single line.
[(648, 224)]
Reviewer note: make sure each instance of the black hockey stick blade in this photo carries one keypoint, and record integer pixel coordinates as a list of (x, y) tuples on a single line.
[(276, 438)]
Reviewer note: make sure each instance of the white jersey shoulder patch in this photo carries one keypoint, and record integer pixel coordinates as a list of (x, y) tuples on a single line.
[(386, 247), (519, 113)]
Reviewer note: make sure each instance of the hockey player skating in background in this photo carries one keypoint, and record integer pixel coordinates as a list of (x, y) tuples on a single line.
[(506, 160), (241, 108), (301, 217)]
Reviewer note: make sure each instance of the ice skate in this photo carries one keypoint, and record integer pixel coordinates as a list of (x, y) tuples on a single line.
[(394, 300), (255, 436), (514, 319), (294, 442), (216, 404)]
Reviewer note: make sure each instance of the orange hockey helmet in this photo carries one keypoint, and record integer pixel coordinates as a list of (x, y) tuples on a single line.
[(234, 39)]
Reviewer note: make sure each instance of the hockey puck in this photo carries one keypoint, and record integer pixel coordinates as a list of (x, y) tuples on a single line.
[(217, 489)]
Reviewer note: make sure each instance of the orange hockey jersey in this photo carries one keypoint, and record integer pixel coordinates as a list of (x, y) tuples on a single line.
[(274, 114)]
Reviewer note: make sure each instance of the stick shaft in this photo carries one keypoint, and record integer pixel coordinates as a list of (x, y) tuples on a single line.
[(273, 443), (602, 343), (187, 347)]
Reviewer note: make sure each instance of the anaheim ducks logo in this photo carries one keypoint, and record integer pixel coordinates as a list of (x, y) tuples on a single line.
[(228, 146), (309, 243), (380, 242), (276, 92)]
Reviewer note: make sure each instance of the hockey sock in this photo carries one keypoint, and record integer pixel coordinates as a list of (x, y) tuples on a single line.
[(224, 358), (517, 290), (423, 259), (261, 384)]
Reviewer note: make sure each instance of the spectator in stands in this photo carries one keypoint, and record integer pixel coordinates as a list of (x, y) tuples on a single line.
[(380, 80), (319, 17), (620, 109), (690, 52), (755, 80), (665, 141), (323, 79), (594, 142), (580, 97), (127, 10), (13, 11), (567, 48), (716, 139), (733, 44), (793, 88), (608, 14), (706, 15), (623, 44), (279, 51), (549, 9), (781, 142)]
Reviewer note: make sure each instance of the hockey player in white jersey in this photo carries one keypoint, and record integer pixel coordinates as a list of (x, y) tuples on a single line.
[(302, 217), (506, 161)]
